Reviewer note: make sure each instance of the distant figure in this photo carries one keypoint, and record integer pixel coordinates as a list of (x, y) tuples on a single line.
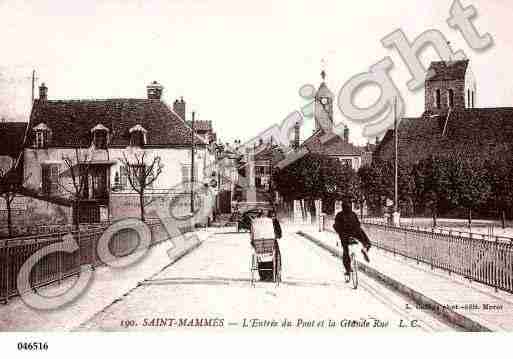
[(348, 227), (276, 224)]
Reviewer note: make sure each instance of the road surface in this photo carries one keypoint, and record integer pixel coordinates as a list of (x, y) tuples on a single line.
[(210, 289)]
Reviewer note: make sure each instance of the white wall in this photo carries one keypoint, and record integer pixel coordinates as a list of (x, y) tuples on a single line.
[(171, 158)]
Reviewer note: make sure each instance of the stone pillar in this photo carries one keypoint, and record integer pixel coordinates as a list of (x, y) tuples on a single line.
[(396, 219), (298, 215), (338, 206), (318, 213)]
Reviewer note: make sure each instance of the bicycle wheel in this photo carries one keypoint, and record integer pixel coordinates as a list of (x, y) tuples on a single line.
[(354, 273)]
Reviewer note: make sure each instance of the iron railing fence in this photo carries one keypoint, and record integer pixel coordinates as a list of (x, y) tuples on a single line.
[(59, 265), (40, 230), (477, 259), (441, 229)]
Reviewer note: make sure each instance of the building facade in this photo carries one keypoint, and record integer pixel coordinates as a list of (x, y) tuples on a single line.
[(451, 124), (91, 142)]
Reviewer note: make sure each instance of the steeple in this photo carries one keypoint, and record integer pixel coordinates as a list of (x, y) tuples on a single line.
[(323, 106)]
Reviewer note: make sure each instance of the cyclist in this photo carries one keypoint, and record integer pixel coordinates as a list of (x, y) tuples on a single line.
[(348, 227)]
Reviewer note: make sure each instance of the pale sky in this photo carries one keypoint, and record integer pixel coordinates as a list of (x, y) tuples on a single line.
[(237, 63)]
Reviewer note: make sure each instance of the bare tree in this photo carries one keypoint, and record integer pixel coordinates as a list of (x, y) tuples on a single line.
[(142, 175), (11, 182), (77, 169)]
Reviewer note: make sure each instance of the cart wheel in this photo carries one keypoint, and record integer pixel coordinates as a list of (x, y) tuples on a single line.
[(275, 268), (279, 270)]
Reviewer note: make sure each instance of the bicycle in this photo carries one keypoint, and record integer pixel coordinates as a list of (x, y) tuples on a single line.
[(353, 275)]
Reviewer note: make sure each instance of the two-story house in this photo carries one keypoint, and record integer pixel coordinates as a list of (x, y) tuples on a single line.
[(87, 141)]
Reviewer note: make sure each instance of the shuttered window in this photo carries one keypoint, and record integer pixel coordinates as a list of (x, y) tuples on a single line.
[(186, 174), (123, 177), (50, 178)]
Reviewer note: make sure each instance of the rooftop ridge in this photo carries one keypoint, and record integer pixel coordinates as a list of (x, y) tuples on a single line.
[(101, 100)]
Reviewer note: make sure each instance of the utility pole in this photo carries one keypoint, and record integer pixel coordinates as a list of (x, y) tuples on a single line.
[(396, 168), (395, 158), (192, 164), (33, 84)]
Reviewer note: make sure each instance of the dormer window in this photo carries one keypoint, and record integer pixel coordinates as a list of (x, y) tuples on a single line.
[(41, 136), (100, 136), (138, 136)]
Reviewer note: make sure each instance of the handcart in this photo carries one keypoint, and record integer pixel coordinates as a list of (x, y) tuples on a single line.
[(266, 258)]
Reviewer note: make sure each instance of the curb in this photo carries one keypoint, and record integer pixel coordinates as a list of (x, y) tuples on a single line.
[(175, 259), (418, 298), (139, 283)]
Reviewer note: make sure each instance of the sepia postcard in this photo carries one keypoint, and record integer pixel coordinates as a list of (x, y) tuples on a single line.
[(277, 169)]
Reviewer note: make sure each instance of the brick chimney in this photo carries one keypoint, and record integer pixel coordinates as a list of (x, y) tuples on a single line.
[(43, 92), (179, 108), (346, 133), (295, 142), (154, 91)]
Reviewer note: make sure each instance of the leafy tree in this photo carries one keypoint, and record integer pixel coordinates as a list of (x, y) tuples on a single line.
[(470, 184), (432, 184), (407, 195), (315, 176), (376, 184), (499, 173)]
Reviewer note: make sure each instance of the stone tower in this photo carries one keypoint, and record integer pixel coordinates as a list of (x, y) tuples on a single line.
[(450, 85), (323, 111)]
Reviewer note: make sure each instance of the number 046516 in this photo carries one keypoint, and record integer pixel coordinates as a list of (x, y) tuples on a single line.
[(32, 346)]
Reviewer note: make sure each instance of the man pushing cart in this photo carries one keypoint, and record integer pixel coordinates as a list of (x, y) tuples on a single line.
[(266, 258)]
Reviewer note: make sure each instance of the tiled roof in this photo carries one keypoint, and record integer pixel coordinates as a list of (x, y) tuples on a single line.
[(11, 138), (201, 125), (475, 133), (453, 70), (269, 152), (78, 117), (336, 146)]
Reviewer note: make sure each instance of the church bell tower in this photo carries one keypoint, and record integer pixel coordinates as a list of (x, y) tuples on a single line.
[(323, 112)]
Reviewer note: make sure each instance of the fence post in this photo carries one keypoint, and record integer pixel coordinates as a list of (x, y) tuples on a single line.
[(60, 258), (471, 261), (94, 247), (431, 241), (7, 273), (496, 267), (449, 262)]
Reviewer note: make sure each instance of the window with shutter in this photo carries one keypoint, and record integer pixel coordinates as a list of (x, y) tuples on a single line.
[(50, 178), (45, 179), (186, 175), (123, 177), (40, 139), (99, 182)]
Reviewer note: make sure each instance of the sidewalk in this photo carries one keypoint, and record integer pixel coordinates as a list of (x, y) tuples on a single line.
[(107, 286), (473, 306)]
